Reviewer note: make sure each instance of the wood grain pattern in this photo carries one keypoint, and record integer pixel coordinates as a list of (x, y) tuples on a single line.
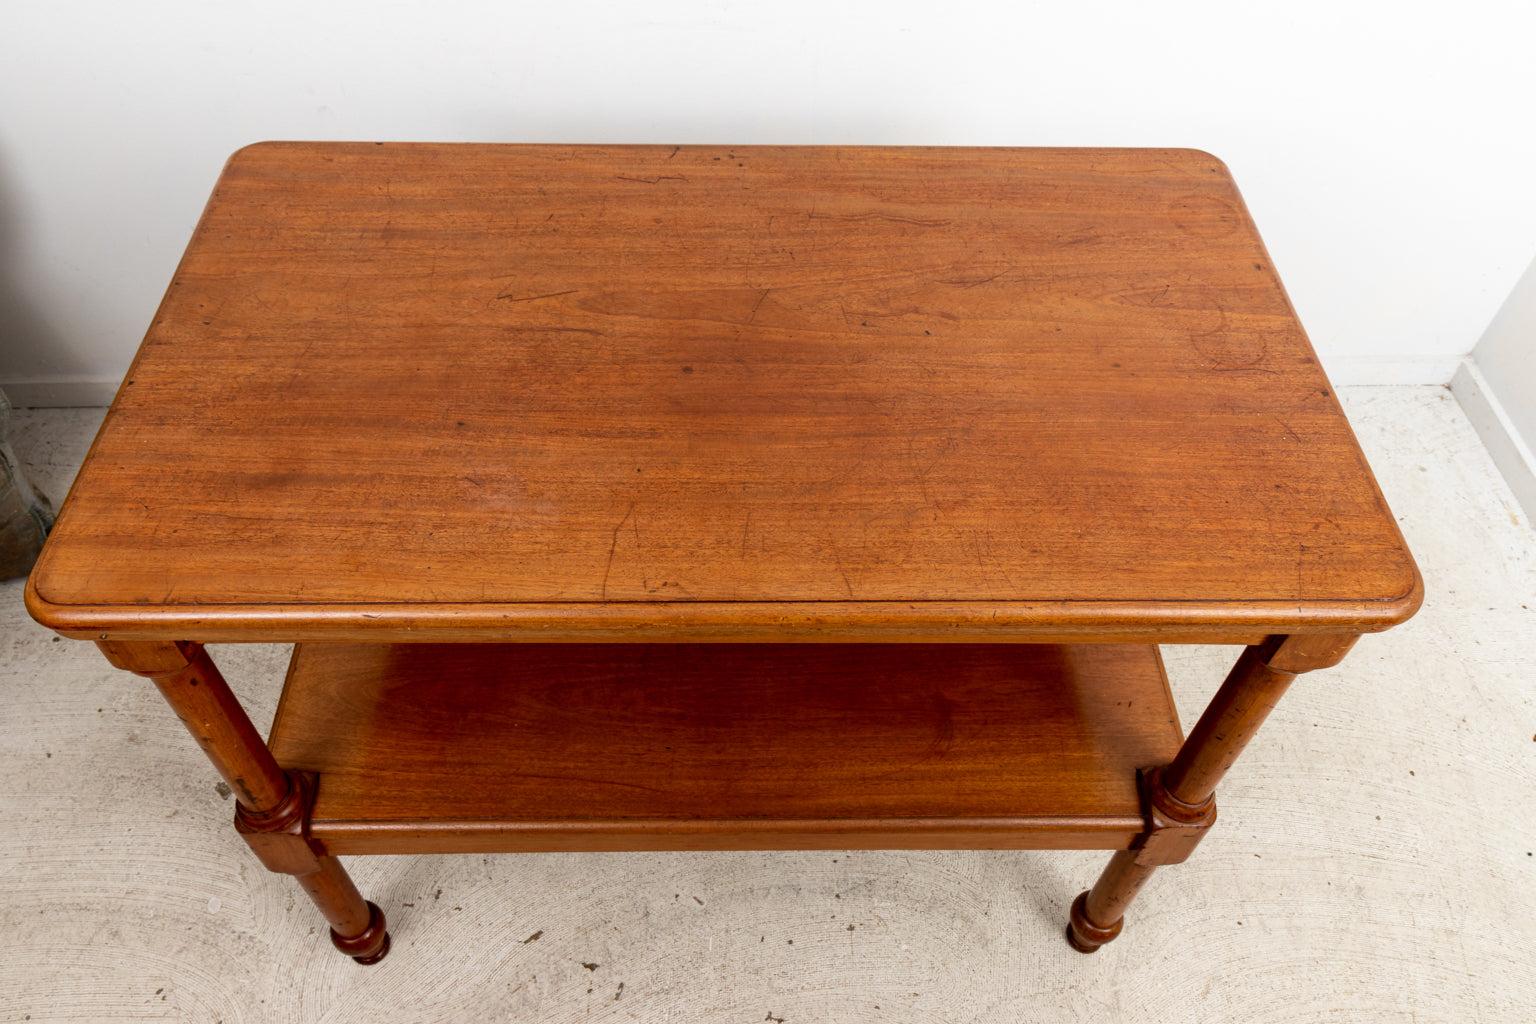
[(437, 748), (553, 392)]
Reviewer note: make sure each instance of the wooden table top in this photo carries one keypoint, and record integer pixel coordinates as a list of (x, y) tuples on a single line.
[(472, 391)]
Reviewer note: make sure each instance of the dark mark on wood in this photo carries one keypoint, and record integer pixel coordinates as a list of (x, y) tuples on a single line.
[(509, 297), (919, 221), (612, 547)]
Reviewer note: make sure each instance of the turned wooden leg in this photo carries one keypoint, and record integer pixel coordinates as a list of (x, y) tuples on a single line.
[(273, 806), (1180, 798)]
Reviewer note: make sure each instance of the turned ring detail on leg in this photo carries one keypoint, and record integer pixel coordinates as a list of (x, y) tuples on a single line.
[(371, 944)]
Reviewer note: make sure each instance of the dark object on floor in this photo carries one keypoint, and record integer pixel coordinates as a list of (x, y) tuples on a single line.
[(25, 516)]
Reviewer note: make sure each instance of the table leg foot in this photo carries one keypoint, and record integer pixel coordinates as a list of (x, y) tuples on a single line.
[(358, 927), (371, 944), (1098, 914), (1085, 936)]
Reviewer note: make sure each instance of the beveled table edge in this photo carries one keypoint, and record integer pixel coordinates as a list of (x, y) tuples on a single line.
[(725, 621)]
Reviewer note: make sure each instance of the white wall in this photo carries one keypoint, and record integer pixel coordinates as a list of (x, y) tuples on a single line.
[(1497, 387), (1386, 152)]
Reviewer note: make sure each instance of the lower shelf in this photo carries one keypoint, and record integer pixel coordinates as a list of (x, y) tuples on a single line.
[(522, 747)]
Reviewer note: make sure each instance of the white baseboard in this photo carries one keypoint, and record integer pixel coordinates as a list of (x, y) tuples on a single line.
[(61, 392), (1510, 452), (1347, 371)]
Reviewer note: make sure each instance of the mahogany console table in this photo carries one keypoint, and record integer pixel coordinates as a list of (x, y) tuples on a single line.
[(697, 498)]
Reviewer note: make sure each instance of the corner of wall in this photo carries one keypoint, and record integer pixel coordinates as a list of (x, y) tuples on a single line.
[(1499, 434)]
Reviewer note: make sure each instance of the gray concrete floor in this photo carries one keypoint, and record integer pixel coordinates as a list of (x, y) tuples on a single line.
[(1374, 861)]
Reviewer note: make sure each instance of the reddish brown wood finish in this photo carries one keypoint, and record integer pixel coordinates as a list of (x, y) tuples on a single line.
[(1255, 685), (431, 748), (423, 394), (1181, 797), (1122, 879), (331, 886), (192, 685), (658, 393), (273, 805)]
